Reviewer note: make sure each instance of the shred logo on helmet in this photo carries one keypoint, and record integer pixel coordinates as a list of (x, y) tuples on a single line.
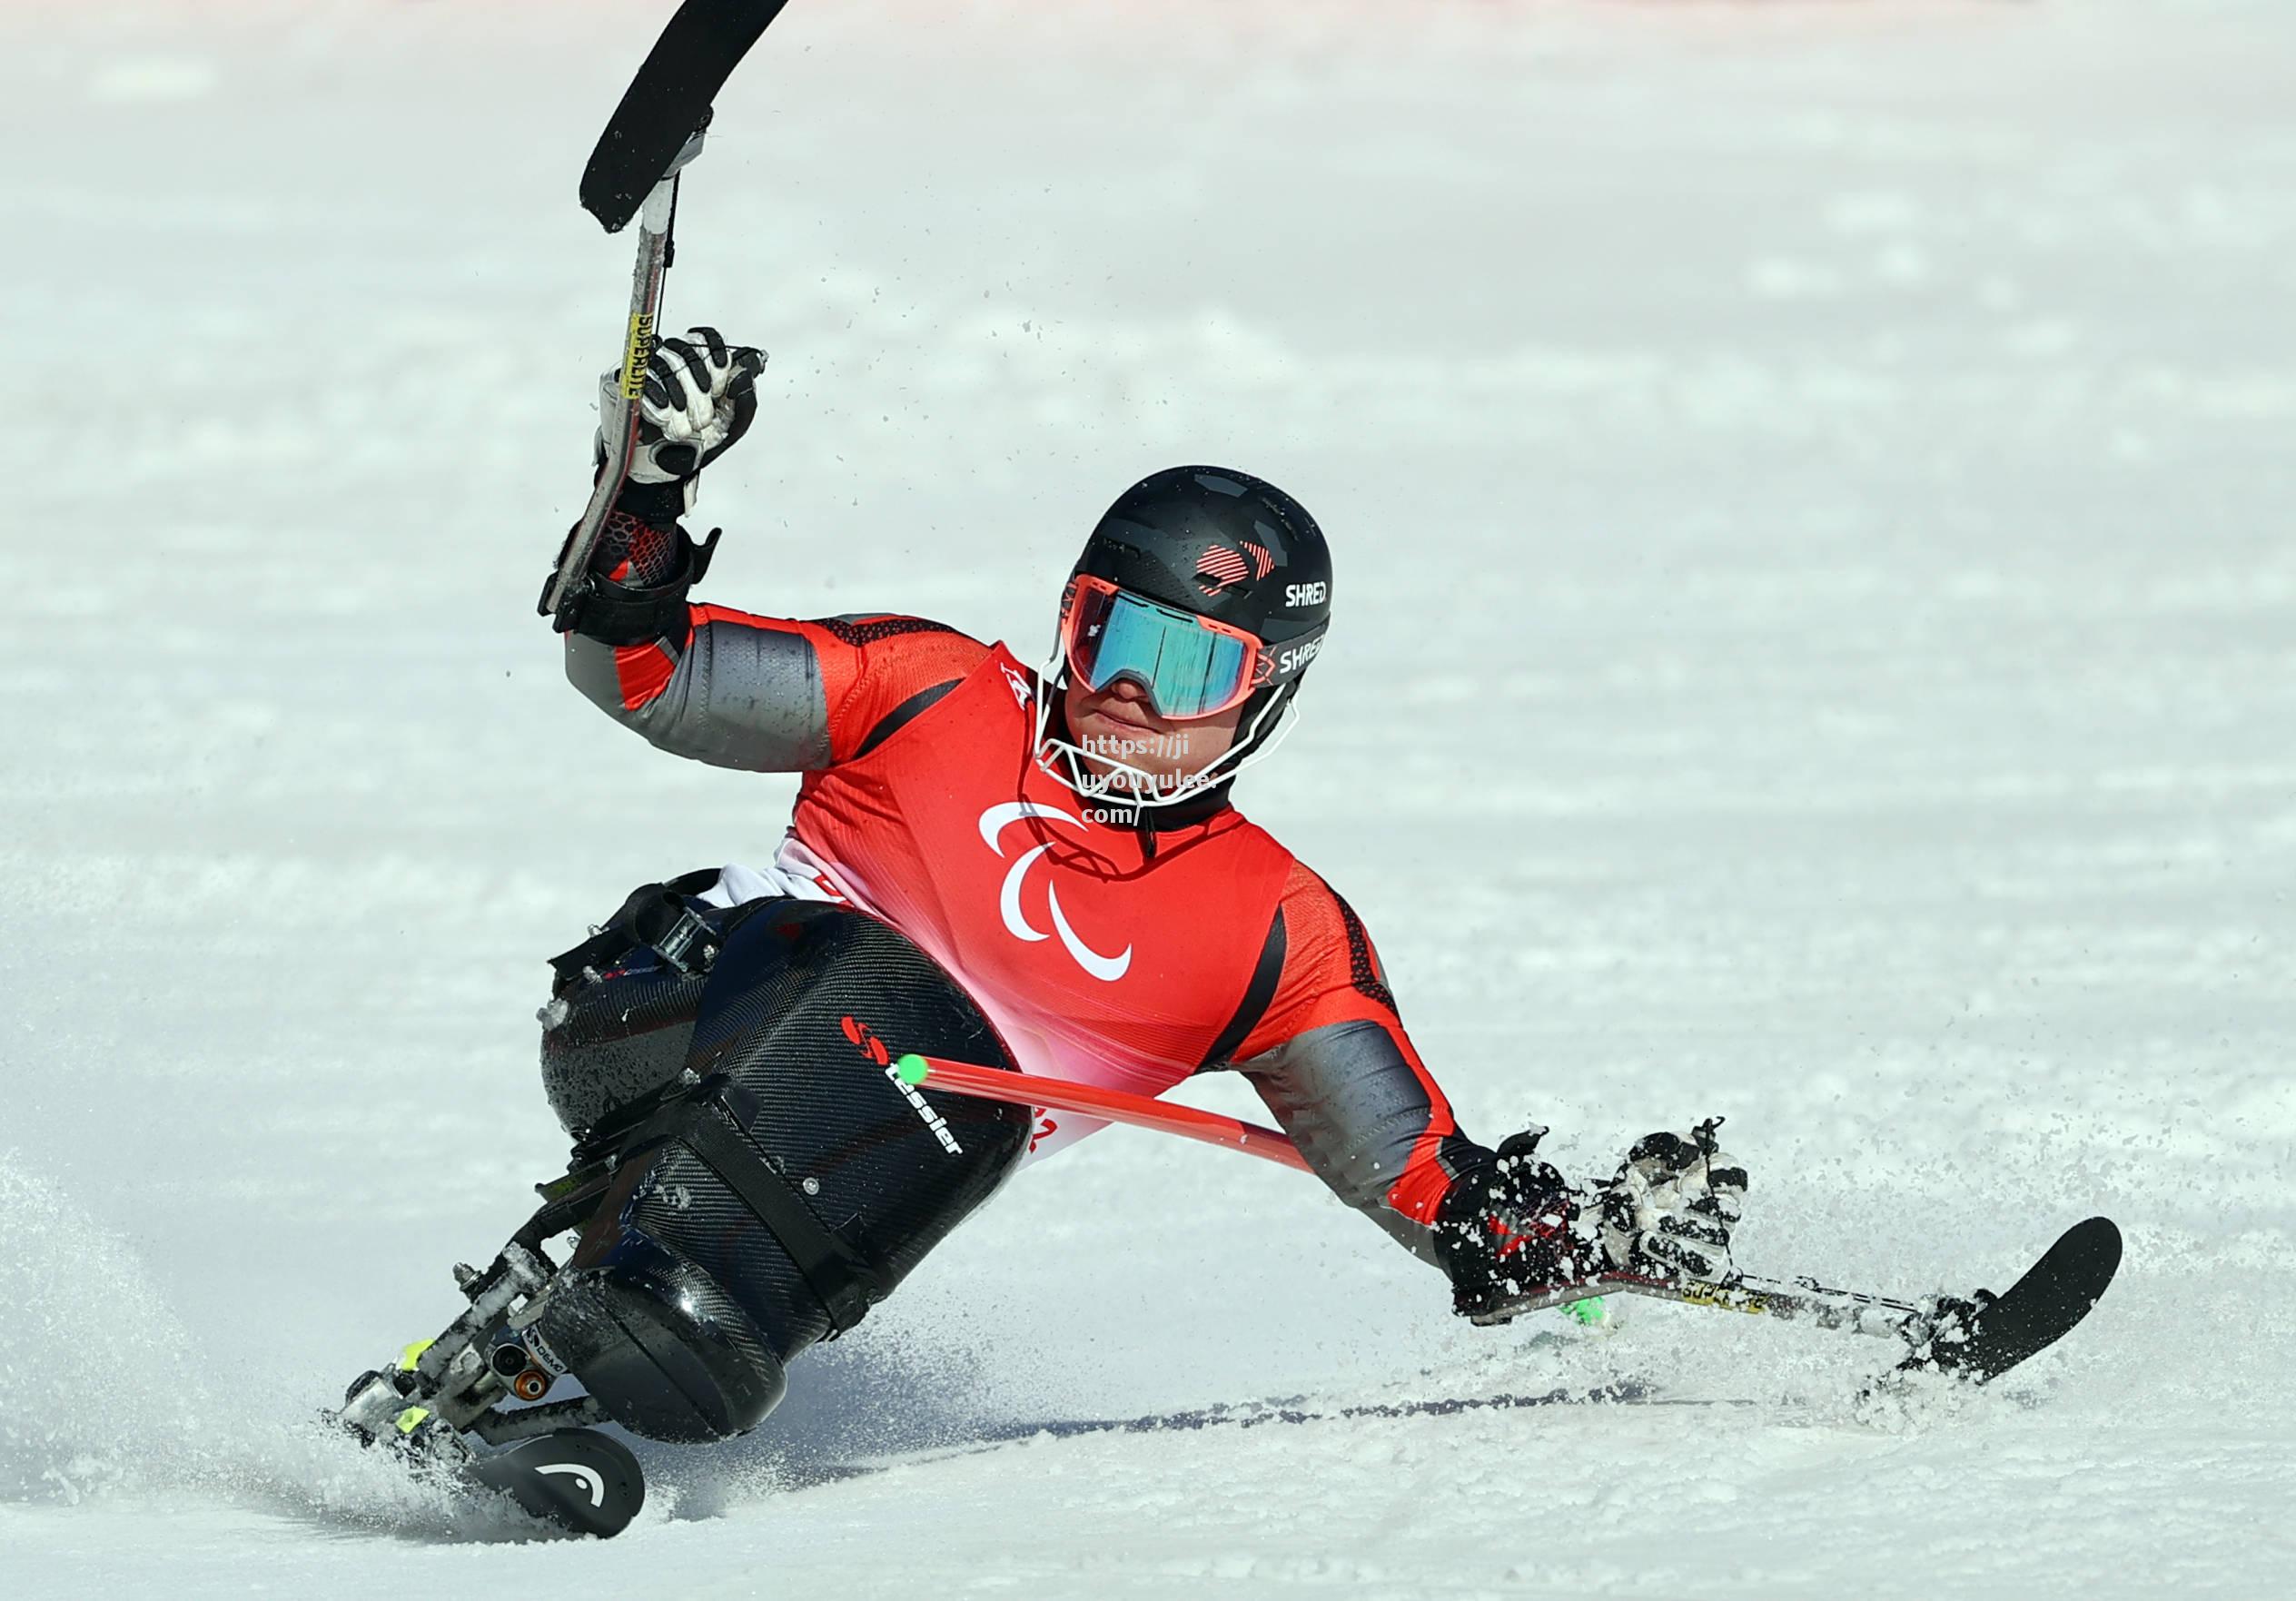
[(1289, 660), (1210, 589)]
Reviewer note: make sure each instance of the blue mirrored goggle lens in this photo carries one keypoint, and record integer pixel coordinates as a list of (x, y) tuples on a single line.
[(1188, 670)]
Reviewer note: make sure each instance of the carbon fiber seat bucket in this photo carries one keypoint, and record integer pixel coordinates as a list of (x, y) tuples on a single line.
[(768, 1205), (621, 1016)]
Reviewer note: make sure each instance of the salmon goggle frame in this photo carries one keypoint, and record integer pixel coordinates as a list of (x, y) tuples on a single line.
[(1191, 667)]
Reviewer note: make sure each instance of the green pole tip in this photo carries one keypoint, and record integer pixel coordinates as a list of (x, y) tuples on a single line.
[(1590, 1310), (913, 1069)]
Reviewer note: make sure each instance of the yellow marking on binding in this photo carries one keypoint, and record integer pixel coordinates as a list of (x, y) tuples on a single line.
[(414, 1354), (411, 1419), (637, 353), (1729, 1301)]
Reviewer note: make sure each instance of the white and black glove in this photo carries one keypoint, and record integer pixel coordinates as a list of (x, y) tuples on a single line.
[(1669, 1211), (700, 396)]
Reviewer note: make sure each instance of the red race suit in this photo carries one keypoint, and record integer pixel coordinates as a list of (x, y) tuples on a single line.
[(1110, 952)]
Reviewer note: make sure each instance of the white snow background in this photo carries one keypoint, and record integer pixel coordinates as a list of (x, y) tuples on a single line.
[(1811, 488)]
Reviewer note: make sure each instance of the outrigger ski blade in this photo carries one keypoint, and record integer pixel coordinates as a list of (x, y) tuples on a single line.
[(579, 1478), (1981, 1338), (668, 102)]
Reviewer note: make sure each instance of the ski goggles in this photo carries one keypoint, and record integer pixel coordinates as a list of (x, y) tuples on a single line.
[(1191, 667)]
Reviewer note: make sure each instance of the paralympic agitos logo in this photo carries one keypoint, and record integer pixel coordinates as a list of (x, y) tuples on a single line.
[(994, 822)]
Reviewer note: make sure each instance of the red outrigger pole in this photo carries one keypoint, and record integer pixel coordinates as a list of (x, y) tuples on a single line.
[(988, 1083)]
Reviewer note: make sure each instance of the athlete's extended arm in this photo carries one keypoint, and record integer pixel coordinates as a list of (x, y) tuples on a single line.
[(1330, 1057), (723, 686)]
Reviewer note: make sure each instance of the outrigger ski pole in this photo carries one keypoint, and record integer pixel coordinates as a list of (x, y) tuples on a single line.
[(1979, 1338), (654, 133), (617, 393)]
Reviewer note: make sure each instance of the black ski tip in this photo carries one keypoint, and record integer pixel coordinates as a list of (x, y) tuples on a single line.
[(577, 1478), (2098, 1241), (668, 102), (2080, 1267), (2039, 1310)]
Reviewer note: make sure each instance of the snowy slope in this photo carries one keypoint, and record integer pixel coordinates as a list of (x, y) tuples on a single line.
[(1811, 488)]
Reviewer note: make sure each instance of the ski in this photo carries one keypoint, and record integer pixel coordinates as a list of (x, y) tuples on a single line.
[(1296, 1409), (583, 1481), (443, 1407), (1287, 1411)]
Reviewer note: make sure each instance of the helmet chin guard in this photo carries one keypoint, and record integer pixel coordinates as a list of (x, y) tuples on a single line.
[(1095, 777)]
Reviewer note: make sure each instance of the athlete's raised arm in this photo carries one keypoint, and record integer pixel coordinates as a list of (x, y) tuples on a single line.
[(724, 687)]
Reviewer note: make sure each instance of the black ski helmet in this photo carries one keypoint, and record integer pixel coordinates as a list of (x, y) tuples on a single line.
[(1227, 546)]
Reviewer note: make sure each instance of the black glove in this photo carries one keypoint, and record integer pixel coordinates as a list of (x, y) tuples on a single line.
[(1669, 1211), (1507, 1234), (700, 396)]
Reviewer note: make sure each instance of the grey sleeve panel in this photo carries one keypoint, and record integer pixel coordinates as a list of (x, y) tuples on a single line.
[(741, 697), (1355, 1109)]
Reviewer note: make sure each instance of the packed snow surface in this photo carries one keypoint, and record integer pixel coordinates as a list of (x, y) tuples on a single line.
[(1816, 642)]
